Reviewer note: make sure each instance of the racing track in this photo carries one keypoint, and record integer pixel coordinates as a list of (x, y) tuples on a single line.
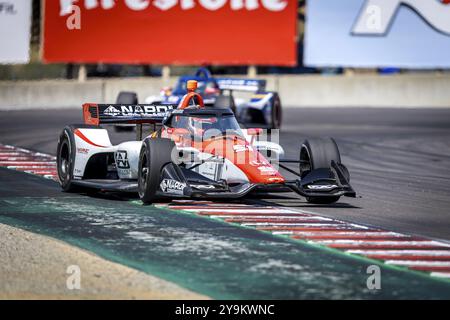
[(399, 161)]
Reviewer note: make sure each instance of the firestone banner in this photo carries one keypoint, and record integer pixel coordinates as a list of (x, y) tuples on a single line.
[(234, 32), (378, 33), (15, 20)]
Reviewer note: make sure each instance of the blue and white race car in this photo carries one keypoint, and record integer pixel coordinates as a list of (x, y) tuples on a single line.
[(262, 110)]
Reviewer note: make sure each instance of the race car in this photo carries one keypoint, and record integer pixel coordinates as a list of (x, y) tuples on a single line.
[(194, 151), (262, 110)]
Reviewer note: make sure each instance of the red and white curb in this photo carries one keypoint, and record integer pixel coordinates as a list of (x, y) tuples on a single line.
[(392, 248), (36, 163)]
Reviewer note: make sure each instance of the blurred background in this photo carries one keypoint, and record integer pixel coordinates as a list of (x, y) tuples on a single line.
[(312, 52), (37, 69)]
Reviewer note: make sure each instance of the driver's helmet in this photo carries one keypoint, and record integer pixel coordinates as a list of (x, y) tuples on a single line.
[(198, 125)]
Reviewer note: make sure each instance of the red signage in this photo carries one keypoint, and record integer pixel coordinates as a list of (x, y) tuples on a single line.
[(231, 32)]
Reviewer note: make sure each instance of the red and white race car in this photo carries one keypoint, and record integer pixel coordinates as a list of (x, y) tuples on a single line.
[(192, 152)]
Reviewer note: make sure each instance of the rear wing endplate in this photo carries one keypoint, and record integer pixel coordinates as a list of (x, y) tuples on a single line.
[(96, 114)]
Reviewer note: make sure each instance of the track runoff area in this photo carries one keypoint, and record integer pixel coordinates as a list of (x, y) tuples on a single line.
[(397, 250)]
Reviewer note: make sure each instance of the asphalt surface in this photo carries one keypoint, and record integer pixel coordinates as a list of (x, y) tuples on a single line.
[(206, 256), (399, 159)]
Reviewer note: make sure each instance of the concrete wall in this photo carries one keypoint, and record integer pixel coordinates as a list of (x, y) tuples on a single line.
[(48, 94), (304, 91), (366, 90)]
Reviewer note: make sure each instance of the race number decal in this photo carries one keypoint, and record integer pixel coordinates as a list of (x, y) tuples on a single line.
[(122, 160)]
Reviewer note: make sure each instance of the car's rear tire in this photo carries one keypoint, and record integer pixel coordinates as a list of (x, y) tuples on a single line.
[(276, 113), (317, 153), (126, 97), (65, 157), (154, 155)]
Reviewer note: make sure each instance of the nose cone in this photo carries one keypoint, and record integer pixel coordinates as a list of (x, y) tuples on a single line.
[(244, 156), (261, 172)]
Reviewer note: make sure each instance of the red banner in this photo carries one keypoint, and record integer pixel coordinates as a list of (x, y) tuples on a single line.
[(231, 32)]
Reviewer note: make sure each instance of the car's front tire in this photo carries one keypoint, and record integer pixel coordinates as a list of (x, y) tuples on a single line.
[(154, 155), (65, 159), (317, 153)]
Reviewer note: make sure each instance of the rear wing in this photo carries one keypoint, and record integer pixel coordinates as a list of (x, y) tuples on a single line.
[(96, 114), (236, 84)]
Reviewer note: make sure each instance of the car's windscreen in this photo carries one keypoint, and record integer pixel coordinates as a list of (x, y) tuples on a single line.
[(207, 126)]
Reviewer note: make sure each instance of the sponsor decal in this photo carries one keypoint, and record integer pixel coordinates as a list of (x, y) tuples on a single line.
[(172, 186), (275, 180), (240, 84), (258, 162), (204, 186), (377, 15), (267, 170), (7, 8), (136, 110), (71, 24), (322, 187), (242, 148), (164, 5), (111, 111), (122, 160), (15, 31), (82, 150)]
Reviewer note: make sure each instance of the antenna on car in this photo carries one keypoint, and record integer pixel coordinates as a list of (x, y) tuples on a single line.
[(191, 87)]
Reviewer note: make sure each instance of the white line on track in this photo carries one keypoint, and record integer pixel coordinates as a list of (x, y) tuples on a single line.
[(343, 234), (241, 210), (43, 173), (46, 166), (310, 227), (281, 224), (417, 243), (24, 163), (418, 263), (275, 217), (401, 252), (211, 205), (8, 159), (440, 274)]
